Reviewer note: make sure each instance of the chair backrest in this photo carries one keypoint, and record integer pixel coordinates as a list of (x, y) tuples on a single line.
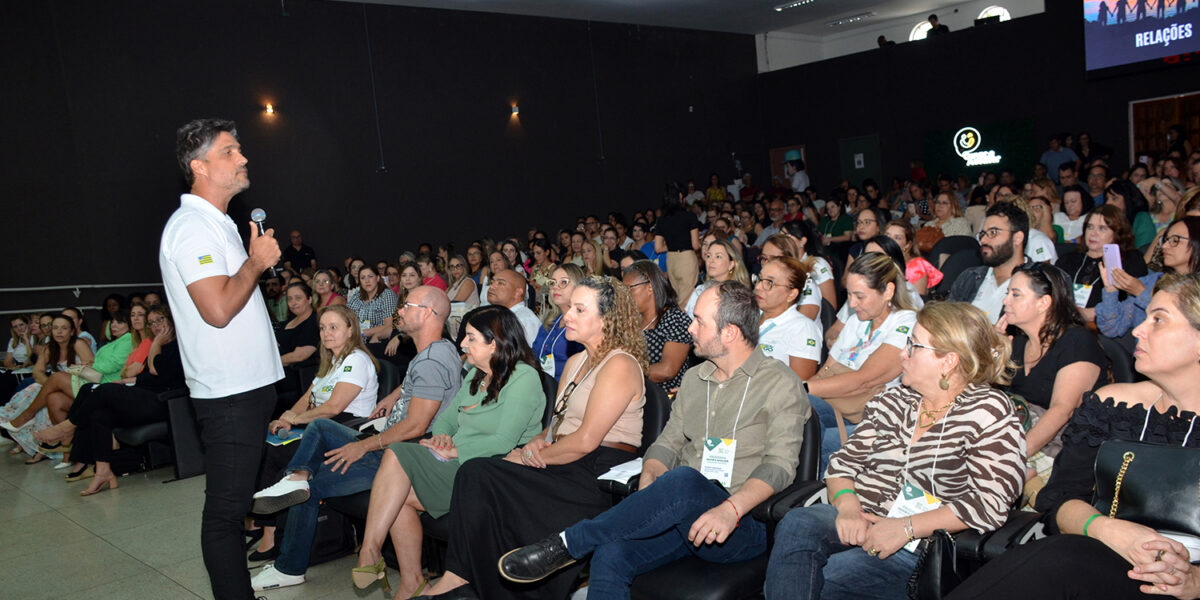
[(1119, 359), (654, 415), (949, 246), (810, 450), (389, 378), (550, 388), (953, 267)]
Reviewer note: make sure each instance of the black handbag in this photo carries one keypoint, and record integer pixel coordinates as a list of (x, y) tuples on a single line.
[(937, 568), (1152, 485)]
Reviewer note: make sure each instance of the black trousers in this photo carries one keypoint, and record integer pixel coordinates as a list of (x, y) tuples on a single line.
[(232, 429), (1059, 566), (98, 410)]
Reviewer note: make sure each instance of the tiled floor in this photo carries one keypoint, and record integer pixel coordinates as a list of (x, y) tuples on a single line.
[(140, 541)]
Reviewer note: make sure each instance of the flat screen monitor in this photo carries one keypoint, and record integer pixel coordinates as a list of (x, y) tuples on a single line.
[(1123, 32)]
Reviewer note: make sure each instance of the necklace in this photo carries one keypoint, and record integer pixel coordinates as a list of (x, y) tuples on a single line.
[(931, 414)]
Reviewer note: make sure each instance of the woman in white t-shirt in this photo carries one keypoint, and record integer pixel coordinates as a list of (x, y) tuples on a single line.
[(20, 344), (799, 242), (346, 387), (867, 351), (721, 263), (881, 244), (784, 333)]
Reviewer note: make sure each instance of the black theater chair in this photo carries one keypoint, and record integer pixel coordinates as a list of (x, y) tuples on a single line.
[(694, 579), (175, 440)]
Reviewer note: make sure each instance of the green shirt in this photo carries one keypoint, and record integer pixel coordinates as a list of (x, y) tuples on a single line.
[(834, 228), (110, 358), (1143, 230), (769, 429), (498, 427)]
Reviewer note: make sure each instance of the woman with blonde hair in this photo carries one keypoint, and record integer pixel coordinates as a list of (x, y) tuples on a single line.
[(722, 262), (592, 253), (550, 483), (551, 347), (325, 289), (864, 360), (945, 431)]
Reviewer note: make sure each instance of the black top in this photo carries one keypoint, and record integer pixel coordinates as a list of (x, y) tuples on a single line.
[(301, 259), (1094, 422), (672, 327), (1076, 344), (169, 365), (939, 30), (306, 333), (676, 230), (1085, 270)]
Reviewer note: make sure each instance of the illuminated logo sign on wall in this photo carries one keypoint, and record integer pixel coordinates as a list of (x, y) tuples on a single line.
[(966, 146)]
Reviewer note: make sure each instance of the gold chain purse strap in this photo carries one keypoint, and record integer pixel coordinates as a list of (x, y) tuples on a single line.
[(1126, 459)]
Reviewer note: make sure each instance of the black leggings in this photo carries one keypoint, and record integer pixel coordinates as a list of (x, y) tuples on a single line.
[(1059, 566), (98, 410)]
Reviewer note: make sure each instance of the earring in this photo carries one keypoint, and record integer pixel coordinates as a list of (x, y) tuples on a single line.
[(944, 383)]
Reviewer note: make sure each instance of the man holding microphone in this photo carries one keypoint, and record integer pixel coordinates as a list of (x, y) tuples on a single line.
[(225, 338)]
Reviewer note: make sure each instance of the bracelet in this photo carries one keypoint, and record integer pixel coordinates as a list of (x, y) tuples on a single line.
[(735, 512), (845, 491), (380, 438), (1089, 522), (908, 529)]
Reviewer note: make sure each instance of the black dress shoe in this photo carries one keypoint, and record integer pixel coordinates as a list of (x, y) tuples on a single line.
[(252, 537), (259, 557), (463, 592), (535, 561)]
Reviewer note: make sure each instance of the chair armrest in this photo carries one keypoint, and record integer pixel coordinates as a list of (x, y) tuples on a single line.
[(1021, 527), (620, 489), (800, 493)]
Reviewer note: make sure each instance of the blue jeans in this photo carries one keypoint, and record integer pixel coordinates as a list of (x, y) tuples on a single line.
[(321, 436), (808, 561), (650, 529), (831, 441)]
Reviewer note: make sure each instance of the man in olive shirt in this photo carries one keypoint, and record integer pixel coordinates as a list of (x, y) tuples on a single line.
[(738, 419)]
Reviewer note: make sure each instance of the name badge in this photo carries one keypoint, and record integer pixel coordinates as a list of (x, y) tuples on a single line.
[(912, 500), (717, 462), (547, 364), (1083, 292)]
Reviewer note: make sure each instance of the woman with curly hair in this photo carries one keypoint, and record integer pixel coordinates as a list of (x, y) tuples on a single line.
[(550, 483)]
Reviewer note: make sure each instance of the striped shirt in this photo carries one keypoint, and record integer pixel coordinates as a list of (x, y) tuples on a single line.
[(977, 449)]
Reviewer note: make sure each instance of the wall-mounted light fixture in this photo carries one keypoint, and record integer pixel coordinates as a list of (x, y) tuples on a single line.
[(270, 110), (516, 110)]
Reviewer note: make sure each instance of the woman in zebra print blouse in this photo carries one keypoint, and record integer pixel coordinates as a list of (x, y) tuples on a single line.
[(942, 451)]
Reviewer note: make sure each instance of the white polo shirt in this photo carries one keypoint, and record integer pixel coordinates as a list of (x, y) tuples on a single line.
[(858, 340), (990, 296), (199, 242), (355, 369), (820, 273), (1040, 247), (529, 321), (790, 334)]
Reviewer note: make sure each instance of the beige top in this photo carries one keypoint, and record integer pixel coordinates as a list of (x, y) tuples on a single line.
[(627, 429)]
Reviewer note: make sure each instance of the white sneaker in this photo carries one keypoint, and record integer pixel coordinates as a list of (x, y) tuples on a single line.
[(268, 579), (284, 494)]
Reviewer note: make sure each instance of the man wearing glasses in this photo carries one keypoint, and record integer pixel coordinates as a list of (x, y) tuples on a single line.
[(775, 211), (1002, 245)]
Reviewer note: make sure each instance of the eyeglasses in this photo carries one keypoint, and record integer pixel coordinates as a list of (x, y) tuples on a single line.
[(638, 284), (157, 321), (455, 266), (1175, 240), (867, 221), (561, 283), (991, 233), (909, 345), (769, 284), (407, 304)]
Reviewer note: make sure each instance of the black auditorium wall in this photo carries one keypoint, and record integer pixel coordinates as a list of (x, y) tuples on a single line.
[(1028, 68), (94, 93)]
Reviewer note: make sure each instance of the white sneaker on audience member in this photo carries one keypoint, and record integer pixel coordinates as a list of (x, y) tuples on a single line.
[(268, 579), (284, 494)]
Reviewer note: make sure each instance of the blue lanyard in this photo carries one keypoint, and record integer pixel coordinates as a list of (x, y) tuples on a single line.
[(555, 341)]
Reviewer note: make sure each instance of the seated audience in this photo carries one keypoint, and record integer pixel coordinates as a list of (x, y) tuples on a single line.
[(1073, 216), (551, 347), (476, 267), (112, 304), (722, 262), (865, 357), (920, 274), (1057, 360), (594, 257), (947, 215), (496, 263), (647, 529), (784, 333), (88, 428), (298, 338), (868, 223), (463, 293), (500, 409), (325, 289), (1090, 554), (140, 340), (550, 483), (429, 272), (63, 349), (946, 431), (76, 315), (330, 461), (1126, 196), (1181, 254), (1106, 224), (662, 322), (507, 289)]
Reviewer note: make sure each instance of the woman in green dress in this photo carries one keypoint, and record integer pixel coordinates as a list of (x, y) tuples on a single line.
[(501, 408)]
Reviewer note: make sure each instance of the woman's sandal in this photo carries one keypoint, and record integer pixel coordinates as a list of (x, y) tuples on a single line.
[(96, 489), (37, 458)]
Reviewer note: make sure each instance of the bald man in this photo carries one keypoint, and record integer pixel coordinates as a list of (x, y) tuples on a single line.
[(508, 289)]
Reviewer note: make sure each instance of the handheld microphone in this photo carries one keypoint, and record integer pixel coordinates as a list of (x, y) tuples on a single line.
[(259, 215)]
